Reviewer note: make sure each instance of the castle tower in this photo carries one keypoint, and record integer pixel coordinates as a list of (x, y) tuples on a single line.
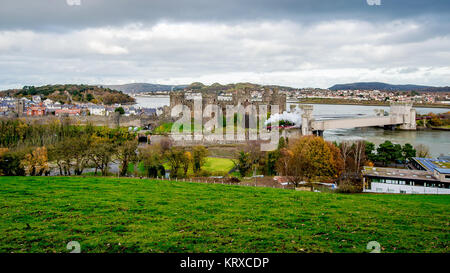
[(176, 98), (20, 108)]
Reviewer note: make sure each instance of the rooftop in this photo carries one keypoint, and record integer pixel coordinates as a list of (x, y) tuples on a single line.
[(399, 173), (441, 165)]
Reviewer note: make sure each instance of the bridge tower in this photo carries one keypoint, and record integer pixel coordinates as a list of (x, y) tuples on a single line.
[(405, 113), (307, 118)]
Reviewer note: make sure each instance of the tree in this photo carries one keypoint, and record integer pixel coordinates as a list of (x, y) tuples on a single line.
[(272, 158), (101, 153), (436, 121), (126, 153), (10, 163), (152, 160), (165, 145), (79, 151), (422, 151), (359, 155), (408, 151), (284, 161), (282, 143), (398, 154), (196, 86), (186, 162), (388, 152), (175, 157), (256, 156), (251, 158), (346, 149), (61, 153), (353, 157), (271, 162), (243, 163), (120, 110), (369, 151), (36, 162), (71, 153), (3, 151), (89, 97), (311, 158), (199, 155)]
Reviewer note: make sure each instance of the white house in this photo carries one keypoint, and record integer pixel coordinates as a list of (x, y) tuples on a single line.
[(97, 110)]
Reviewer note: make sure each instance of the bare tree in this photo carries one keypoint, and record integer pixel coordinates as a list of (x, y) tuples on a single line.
[(346, 149), (359, 155), (422, 151), (165, 144)]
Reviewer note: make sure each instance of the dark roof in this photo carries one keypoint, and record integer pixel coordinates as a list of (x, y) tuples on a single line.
[(399, 173)]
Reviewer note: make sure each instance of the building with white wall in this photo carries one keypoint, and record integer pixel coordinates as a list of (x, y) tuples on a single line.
[(97, 110), (431, 177)]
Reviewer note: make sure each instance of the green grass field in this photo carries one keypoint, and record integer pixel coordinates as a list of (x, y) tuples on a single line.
[(132, 215), (213, 165), (216, 164)]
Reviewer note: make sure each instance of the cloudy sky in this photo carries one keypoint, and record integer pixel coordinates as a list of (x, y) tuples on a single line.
[(299, 43)]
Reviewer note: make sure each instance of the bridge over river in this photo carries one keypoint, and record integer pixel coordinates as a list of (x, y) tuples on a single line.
[(401, 115)]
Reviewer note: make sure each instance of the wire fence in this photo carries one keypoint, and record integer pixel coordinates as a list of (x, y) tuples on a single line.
[(254, 182)]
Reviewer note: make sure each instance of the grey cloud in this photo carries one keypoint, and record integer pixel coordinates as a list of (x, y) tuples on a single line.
[(408, 70), (298, 43), (270, 52), (56, 15)]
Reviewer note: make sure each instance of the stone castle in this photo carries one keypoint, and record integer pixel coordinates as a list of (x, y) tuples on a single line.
[(243, 97)]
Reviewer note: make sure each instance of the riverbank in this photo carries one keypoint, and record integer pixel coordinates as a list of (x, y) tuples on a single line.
[(442, 128)]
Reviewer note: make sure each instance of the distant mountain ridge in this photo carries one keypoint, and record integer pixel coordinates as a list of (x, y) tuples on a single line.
[(134, 88), (215, 87), (387, 87), (144, 87)]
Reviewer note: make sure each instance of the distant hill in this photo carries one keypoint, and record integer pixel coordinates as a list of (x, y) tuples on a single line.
[(215, 87), (69, 93), (387, 87), (144, 87)]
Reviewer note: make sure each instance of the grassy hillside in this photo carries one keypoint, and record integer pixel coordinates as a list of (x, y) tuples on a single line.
[(132, 215)]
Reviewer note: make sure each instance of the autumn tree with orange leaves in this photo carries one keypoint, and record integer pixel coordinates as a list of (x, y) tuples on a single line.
[(310, 158), (36, 162)]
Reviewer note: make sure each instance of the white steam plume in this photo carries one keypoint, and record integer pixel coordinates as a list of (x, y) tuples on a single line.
[(293, 117)]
